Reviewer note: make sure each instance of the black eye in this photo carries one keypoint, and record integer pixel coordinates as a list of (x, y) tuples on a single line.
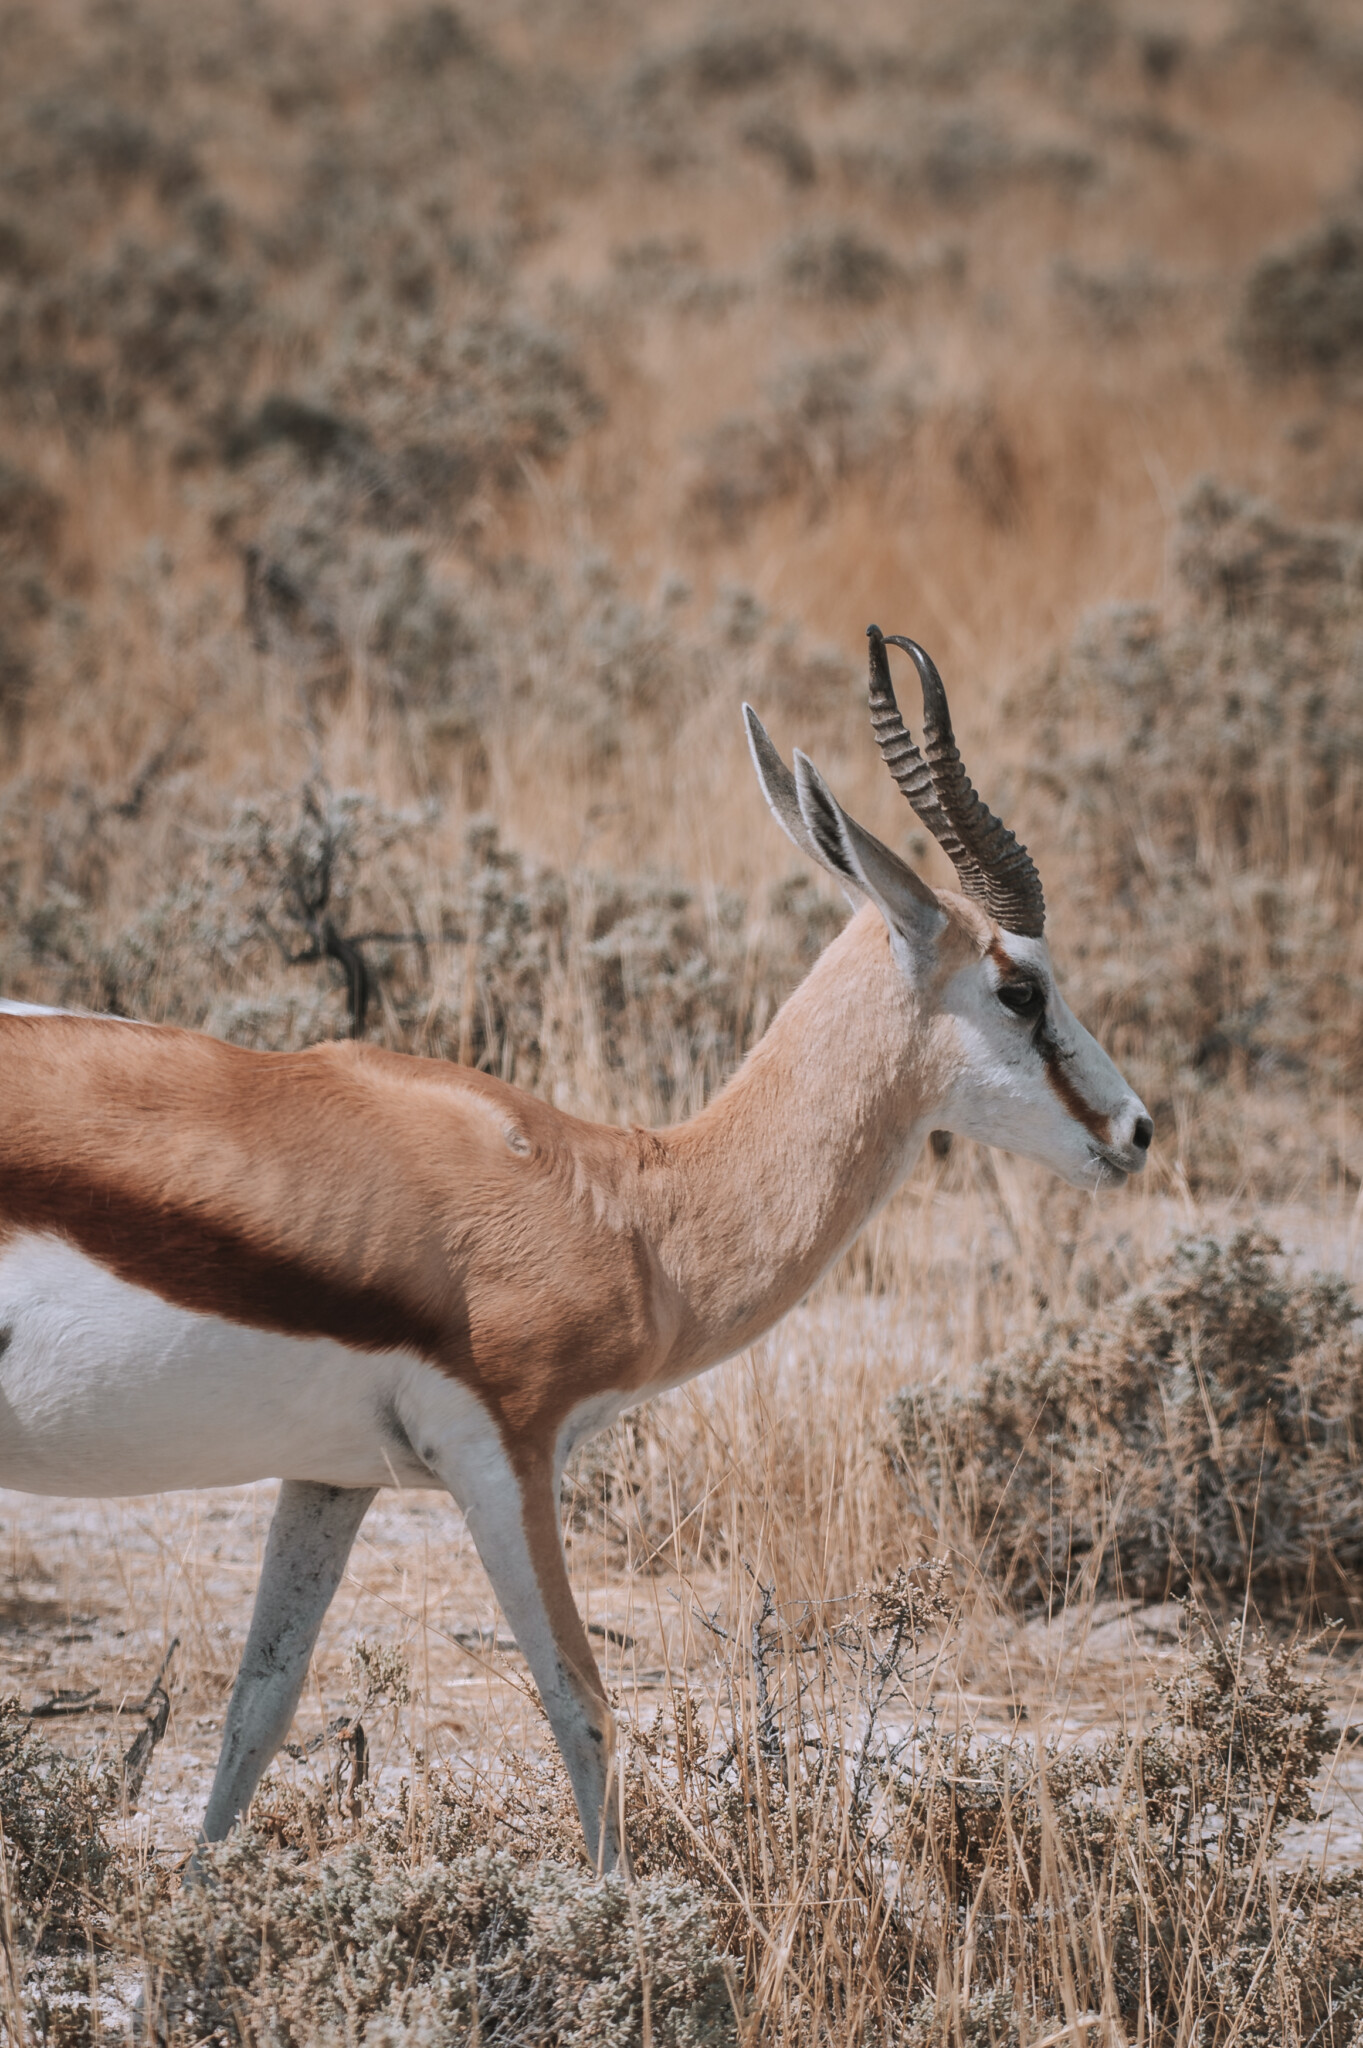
[(1023, 998)]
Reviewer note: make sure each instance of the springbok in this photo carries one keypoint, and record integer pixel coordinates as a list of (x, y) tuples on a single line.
[(347, 1268)]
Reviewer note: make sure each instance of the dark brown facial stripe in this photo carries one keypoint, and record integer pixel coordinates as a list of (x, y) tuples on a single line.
[(1098, 1127)]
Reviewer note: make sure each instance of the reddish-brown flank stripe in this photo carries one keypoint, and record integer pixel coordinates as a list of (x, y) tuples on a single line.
[(341, 1192), (179, 1165), (212, 1267), (1098, 1126)]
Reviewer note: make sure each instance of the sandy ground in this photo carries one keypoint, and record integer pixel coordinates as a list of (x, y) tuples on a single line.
[(93, 1592)]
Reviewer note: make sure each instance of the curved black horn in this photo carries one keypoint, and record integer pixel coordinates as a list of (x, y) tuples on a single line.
[(902, 758), (995, 869)]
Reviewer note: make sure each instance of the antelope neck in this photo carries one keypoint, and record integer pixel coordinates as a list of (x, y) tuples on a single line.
[(757, 1195)]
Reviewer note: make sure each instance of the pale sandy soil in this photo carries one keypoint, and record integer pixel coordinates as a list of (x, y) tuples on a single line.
[(94, 1591)]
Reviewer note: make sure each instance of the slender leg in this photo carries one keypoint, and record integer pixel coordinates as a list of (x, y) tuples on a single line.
[(310, 1538), (514, 1521)]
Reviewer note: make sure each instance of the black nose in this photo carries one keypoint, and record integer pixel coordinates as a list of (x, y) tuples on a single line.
[(1143, 1133)]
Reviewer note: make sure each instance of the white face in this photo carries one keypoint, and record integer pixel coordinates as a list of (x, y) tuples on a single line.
[(1032, 1080)]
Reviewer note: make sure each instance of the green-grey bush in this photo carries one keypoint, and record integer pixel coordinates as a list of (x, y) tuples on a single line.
[(1303, 305), (667, 989), (368, 1948), (57, 1861), (1194, 775), (1205, 1429)]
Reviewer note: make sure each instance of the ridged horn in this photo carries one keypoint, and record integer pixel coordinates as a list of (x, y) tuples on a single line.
[(905, 763), (995, 869)]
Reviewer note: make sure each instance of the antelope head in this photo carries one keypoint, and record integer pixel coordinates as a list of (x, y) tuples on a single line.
[(1019, 1070)]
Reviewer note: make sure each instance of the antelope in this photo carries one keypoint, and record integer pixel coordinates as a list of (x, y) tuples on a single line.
[(348, 1268)]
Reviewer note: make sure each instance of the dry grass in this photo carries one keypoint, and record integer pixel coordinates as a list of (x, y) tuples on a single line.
[(419, 431), (727, 1546)]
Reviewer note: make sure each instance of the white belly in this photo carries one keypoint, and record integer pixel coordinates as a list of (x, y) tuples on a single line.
[(107, 1389)]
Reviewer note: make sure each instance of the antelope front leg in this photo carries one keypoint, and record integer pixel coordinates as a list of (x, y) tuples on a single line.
[(514, 1521), (310, 1539)]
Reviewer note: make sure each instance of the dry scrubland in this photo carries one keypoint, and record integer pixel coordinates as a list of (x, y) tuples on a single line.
[(418, 430)]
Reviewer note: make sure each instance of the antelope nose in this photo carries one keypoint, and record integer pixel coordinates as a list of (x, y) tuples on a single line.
[(1142, 1134)]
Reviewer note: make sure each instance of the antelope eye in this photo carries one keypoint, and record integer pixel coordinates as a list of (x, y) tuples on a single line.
[(1023, 998)]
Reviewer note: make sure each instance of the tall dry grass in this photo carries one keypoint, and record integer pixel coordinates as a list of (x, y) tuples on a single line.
[(410, 420)]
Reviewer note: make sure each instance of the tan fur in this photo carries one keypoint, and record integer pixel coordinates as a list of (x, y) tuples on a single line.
[(388, 1201), (558, 1269)]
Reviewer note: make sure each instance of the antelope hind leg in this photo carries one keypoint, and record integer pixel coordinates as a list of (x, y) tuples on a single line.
[(310, 1539)]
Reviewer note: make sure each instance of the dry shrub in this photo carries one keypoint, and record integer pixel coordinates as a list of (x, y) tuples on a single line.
[(141, 292), (1201, 766), (30, 521), (962, 160), (59, 1869), (105, 339), (827, 420), (407, 449), (784, 146), (276, 889), (831, 1827), (29, 518), (1206, 1429), (1136, 1874), (725, 62), (1303, 305), (427, 39), (665, 990), (319, 598), (1116, 303), (506, 964), (368, 1946), (840, 267), (858, 1845)]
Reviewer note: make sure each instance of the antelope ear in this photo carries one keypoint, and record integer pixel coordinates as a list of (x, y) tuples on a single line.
[(903, 898), (778, 787)]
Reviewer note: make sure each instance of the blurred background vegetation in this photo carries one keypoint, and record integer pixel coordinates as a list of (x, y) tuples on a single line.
[(420, 428), (413, 419)]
